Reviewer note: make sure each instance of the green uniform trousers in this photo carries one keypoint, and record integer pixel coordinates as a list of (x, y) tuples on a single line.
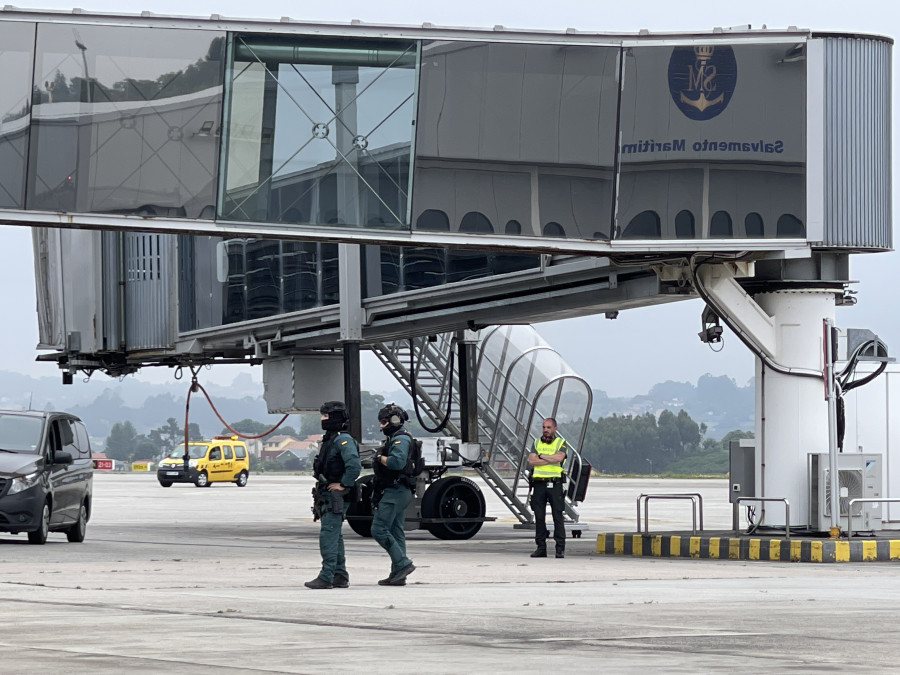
[(387, 525), (331, 545)]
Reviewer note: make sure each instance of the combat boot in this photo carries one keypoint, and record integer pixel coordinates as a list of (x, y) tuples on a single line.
[(318, 583), (340, 581), (539, 553)]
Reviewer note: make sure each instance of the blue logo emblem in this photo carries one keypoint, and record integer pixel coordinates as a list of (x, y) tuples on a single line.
[(702, 79)]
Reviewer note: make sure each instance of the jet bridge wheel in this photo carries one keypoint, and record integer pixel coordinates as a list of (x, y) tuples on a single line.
[(449, 498), (361, 507)]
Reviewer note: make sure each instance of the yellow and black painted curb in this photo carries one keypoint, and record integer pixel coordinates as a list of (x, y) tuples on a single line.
[(749, 548)]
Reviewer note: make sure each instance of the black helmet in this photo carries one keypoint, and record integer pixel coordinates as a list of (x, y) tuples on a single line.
[(393, 417), (337, 415), (393, 414), (332, 406)]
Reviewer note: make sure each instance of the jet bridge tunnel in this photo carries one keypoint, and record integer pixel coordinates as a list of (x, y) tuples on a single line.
[(208, 190)]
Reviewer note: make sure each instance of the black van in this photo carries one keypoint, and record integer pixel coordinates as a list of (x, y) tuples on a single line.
[(46, 474)]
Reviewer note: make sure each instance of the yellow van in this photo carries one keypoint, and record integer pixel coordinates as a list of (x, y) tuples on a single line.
[(224, 459)]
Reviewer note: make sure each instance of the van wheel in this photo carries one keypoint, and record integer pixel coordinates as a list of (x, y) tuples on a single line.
[(165, 483), (39, 536), (242, 479), (77, 531), (202, 480)]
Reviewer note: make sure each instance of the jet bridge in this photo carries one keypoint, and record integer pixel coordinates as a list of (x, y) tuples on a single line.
[(208, 190)]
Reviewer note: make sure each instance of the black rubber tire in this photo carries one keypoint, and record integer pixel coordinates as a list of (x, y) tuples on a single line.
[(76, 533), (453, 497), (165, 483), (39, 536), (202, 480), (241, 480), (361, 508)]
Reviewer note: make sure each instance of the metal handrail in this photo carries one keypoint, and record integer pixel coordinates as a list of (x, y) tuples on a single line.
[(869, 500), (695, 498), (787, 510)]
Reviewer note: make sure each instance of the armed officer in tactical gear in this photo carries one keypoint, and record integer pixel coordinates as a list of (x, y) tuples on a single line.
[(336, 469), (391, 494), (546, 460)]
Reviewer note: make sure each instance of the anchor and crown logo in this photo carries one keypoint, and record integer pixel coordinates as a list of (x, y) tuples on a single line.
[(702, 79)]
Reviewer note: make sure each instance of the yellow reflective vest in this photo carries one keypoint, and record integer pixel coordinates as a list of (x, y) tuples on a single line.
[(548, 471)]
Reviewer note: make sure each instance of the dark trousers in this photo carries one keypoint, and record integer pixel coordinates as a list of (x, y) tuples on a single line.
[(387, 525), (546, 492), (331, 545)]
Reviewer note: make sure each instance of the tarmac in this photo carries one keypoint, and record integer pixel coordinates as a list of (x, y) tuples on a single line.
[(211, 580)]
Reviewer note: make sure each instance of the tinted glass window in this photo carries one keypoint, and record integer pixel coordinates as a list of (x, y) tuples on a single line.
[(684, 225), (644, 225), (82, 440), (700, 134), (63, 437), (492, 114), (789, 226), (123, 125), (720, 224), (215, 454), (15, 107), (228, 453), (240, 451), (319, 131), (20, 433), (753, 225)]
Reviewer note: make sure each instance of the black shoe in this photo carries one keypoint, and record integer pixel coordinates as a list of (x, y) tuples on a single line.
[(401, 574), (391, 582), (560, 554), (318, 583), (340, 581), (539, 553)]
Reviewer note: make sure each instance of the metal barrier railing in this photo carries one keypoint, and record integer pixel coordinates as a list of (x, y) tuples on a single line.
[(868, 500), (695, 498), (787, 511)]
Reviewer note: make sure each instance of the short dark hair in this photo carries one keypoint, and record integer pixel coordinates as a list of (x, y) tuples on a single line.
[(551, 419)]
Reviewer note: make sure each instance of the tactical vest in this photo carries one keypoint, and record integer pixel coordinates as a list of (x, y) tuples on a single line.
[(329, 462), (547, 471)]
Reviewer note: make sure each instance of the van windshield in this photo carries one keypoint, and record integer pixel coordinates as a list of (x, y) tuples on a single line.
[(196, 450), (20, 433)]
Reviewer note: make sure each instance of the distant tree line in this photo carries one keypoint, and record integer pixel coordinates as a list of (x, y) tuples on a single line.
[(126, 444), (644, 444), (638, 444)]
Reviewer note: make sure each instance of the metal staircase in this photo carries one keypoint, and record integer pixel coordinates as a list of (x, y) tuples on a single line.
[(520, 381)]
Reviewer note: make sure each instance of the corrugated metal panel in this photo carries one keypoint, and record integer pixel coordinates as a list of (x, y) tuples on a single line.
[(148, 311), (112, 289), (857, 143)]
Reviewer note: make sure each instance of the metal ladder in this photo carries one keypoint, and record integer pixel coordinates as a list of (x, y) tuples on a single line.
[(504, 411)]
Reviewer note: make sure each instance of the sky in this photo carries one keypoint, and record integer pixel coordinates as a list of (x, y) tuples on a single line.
[(623, 357)]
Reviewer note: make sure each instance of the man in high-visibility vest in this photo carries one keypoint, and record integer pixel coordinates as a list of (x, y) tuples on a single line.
[(546, 460)]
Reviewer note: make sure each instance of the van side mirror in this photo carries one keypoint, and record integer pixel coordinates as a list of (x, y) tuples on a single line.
[(62, 458)]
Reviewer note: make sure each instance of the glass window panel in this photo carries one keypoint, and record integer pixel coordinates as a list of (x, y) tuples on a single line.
[(790, 226), (125, 120), (233, 280), (644, 225), (720, 225), (15, 109), (709, 128), (498, 122), (684, 225), (753, 225), (319, 131)]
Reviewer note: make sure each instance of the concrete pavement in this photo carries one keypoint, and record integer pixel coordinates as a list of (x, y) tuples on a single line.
[(209, 579)]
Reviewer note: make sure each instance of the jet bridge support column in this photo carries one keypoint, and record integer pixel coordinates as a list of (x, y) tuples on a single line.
[(784, 329), (791, 409)]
